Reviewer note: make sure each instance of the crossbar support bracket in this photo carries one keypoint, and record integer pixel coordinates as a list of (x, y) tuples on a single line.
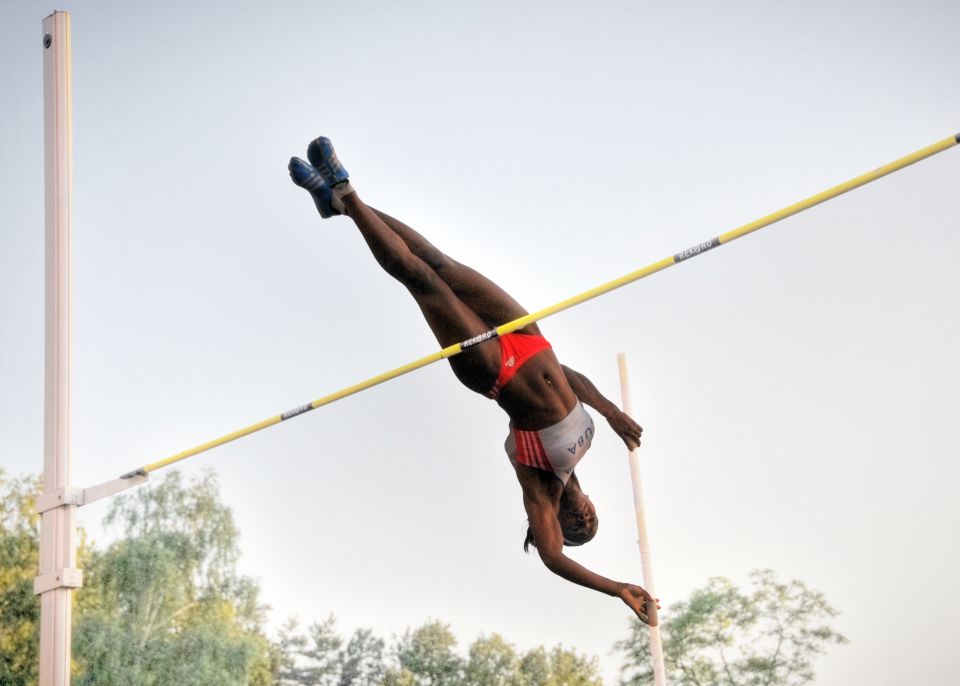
[(112, 487), (77, 497), (68, 577), (59, 498)]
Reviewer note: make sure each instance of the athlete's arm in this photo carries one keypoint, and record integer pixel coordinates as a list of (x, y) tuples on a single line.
[(622, 424), (548, 539)]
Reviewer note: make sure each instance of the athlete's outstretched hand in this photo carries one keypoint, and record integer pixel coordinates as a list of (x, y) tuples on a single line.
[(625, 428), (642, 603)]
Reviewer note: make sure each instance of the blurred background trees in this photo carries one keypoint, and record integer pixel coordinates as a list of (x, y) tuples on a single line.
[(768, 635), (164, 603), (19, 560)]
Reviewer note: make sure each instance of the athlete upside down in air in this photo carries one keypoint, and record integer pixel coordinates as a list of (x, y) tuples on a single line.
[(543, 398)]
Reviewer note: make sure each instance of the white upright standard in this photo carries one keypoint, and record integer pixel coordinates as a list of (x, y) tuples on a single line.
[(58, 553), (656, 646)]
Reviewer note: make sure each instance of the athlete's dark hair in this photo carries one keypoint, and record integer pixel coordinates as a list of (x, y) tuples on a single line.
[(528, 541)]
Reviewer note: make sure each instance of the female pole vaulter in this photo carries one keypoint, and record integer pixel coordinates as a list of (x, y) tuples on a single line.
[(550, 431)]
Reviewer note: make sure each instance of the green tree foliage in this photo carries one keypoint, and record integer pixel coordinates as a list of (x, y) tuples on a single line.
[(768, 636), (19, 607), (492, 661), (361, 662), (322, 658), (427, 658), (567, 668), (424, 656), (164, 605)]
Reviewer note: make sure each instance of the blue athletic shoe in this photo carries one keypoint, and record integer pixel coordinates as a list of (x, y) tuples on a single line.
[(305, 176), (324, 159)]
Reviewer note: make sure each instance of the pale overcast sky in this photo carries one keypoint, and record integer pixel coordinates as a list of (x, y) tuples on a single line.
[(798, 387)]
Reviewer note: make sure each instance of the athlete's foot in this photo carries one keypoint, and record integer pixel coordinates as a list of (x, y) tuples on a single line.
[(322, 156), (305, 176)]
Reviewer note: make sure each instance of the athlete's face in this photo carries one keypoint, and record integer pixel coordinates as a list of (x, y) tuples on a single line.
[(578, 519), (589, 512)]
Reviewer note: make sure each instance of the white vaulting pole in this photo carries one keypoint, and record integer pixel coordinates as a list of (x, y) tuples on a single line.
[(656, 646), (58, 553)]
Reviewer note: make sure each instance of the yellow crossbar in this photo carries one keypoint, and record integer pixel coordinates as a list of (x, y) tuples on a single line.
[(457, 348)]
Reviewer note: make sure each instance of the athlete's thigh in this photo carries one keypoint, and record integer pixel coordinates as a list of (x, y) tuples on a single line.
[(487, 299), (452, 321)]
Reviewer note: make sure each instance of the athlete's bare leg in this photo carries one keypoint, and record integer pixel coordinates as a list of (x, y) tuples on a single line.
[(491, 303), (449, 317)]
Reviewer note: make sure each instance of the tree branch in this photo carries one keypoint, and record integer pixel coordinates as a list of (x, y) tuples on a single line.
[(776, 655), (726, 667), (692, 675)]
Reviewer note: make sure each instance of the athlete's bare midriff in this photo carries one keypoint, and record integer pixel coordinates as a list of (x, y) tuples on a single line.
[(538, 395)]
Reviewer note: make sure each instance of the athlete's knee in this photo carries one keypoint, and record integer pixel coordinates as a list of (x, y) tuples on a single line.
[(424, 281), (436, 259), (414, 273)]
